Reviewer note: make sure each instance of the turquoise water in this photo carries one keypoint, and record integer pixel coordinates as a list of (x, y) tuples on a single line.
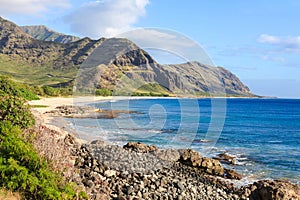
[(263, 134)]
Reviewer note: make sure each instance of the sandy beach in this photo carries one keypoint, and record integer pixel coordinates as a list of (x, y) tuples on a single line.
[(53, 102)]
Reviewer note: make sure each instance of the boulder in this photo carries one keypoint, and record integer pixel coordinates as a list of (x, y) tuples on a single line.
[(140, 147), (211, 166), (190, 157), (231, 174), (225, 158), (270, 189)]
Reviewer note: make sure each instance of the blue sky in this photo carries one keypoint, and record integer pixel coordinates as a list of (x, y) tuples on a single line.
[(258, 40)]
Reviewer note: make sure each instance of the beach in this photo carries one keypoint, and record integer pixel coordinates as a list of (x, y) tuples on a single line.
[(139, 171)]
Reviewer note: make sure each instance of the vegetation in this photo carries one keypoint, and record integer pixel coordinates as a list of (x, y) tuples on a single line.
[(21, 167), (49, 91), (103, 92), (10, 88), (152, 89), (34, 75), (39, 106)]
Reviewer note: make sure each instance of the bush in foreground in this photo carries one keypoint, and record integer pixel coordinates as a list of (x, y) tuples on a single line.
[(21, 167), (23, 170), (10, 88)]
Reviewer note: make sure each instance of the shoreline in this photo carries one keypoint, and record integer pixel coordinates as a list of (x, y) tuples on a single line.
[(55, 123)]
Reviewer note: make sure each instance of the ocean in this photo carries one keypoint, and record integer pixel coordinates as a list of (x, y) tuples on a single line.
[(263, 134)]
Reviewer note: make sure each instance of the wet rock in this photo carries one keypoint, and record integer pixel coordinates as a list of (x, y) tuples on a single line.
[(231, 174), (140, 147), (225, 158)]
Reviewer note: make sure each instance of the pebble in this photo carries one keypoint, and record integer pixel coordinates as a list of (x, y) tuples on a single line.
[(110, 173), (126, 174)]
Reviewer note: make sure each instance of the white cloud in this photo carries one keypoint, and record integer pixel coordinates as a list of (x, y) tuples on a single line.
[(272, 58), (106, 18), (164, 43), (284, 44), (30, 7)]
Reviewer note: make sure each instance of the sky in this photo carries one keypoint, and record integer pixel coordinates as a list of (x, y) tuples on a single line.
[(257, 40)]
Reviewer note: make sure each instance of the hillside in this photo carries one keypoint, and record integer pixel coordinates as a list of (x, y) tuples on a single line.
[(44, 33), (115, 64), (120, 65)]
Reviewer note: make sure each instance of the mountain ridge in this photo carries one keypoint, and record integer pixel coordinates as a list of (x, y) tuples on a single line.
[(109, 63), (41, 32)]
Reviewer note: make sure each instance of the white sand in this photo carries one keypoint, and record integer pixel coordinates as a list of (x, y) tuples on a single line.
[(53, 102)]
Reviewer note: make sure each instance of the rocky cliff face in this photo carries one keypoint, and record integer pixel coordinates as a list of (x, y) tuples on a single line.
[(115, 63), (46, 34), (124, 65)]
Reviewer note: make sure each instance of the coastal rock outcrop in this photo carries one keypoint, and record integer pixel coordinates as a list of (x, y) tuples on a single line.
[(270, 190), (95, 169), (109, 171), (192, 158), (225, 158), (70, 111)]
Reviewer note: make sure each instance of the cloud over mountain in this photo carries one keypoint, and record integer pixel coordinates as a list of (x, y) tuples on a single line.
[(107, 17)]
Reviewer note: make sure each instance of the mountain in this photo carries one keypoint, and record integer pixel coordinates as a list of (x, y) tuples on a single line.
[(120, 65), (116, 64), (44, 33)]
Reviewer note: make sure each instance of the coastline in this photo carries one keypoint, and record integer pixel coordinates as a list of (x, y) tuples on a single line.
[(54, 123)]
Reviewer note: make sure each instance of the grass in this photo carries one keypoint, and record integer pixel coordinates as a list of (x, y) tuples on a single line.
[(39, 106), (34, 75)]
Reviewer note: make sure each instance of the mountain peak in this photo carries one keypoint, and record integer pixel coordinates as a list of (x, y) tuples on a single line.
[(121, 52), (41, 32)]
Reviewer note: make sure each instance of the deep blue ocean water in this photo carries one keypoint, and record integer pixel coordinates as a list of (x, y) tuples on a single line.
[(263, 134)]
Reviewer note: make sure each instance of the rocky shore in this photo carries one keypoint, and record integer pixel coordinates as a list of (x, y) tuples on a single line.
[(138, 171)]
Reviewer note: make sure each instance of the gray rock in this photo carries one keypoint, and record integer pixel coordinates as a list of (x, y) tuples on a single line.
[(180, 185), (171, 155)]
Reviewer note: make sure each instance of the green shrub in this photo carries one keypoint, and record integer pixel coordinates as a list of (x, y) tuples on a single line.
[(23, 170), (50, 91), (54, 92), (103, 92), (9, 88), (14, 110), (21, 167)]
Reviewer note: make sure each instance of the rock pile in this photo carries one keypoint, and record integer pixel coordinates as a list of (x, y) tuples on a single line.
[(111, 172), (115, 179), (70, 111)]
